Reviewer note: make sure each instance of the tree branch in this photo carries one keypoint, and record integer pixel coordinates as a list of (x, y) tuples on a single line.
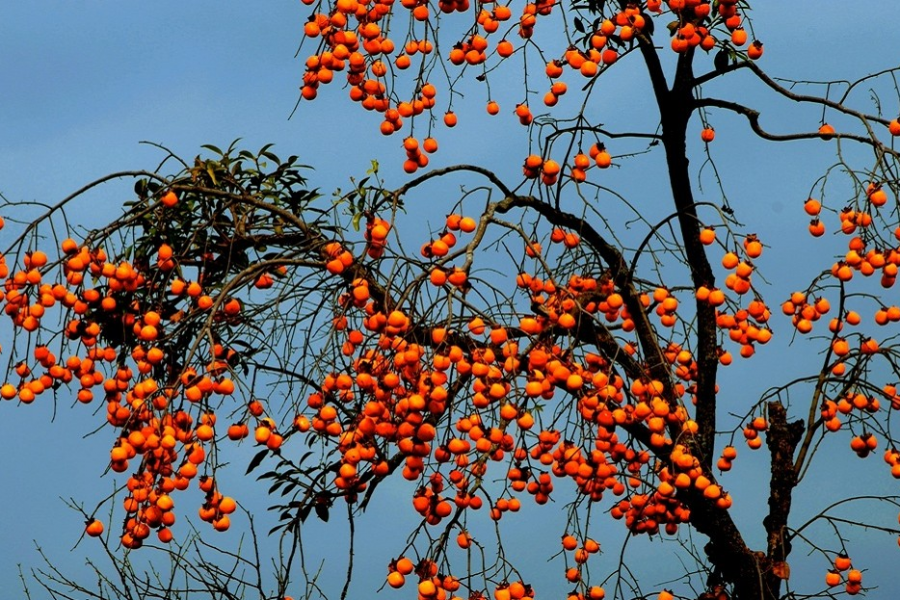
[(782, 439)]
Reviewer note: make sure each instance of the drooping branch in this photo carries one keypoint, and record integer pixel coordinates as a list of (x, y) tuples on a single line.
[(753, 119), (621, 275), (838, 106), (707, 77), (619, 267), (59, 206)]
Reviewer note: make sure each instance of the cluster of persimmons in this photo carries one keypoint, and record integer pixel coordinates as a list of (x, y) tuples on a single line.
[(447, 401), (355, 37), (443, 403)]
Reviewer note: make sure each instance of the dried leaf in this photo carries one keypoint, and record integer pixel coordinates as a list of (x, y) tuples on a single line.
[(781, 570)]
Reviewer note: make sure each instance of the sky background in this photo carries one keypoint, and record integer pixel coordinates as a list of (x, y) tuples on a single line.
[(82, 84)]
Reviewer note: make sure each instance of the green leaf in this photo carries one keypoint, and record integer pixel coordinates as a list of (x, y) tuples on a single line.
[(255, 462), (322, 511), (721, 60), (270, 155), (303, 513)]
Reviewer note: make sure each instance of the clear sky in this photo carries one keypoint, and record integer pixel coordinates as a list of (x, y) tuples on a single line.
[(82, 84)]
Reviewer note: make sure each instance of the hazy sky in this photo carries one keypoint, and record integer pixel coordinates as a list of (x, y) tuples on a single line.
[(82, 84)]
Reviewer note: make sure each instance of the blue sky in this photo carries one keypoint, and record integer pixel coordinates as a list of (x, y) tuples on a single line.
[(82, 84)]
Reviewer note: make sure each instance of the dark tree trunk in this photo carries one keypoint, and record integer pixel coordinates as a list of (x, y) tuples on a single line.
[(751, 575)]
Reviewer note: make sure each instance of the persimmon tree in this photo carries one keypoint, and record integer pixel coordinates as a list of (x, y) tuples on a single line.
[(548, 339)]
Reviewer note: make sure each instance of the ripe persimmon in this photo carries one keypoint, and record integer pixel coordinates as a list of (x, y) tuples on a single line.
[(826, 131), (876, 194), (603, 159), (467, 224), (404, 565), (222, 523), (569, 542), (816, 228), (730, 260), (427, 588), (396, 579), (595, 592), (238, 431), (94, 528), (812, 207), (894, 127), (8, 391), (169, 199), (842, 562), (755, 51)]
